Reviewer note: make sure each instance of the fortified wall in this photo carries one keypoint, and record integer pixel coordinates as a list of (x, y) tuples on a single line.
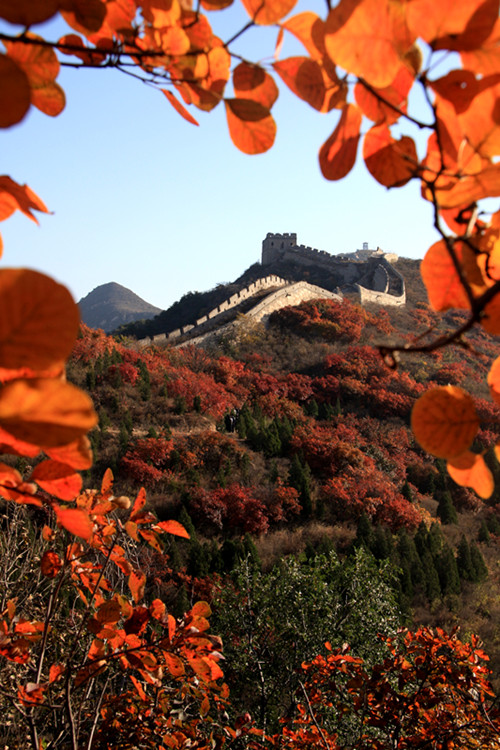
[(291, 294), (219, 314), (369, 272)]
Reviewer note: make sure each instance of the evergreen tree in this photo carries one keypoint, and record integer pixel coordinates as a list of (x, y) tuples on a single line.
[(493, 525), (478, 564), (382, 543), (251, 551), (421, 540), (185, 520), (123, 440), (446, 566), (198, 559), (484, 534), (364, 533), (431, 578), (143, 381), (311, 408), (435, 539), (90, 378), (197, 404), (299, 477), (406, 491), (446, 510), (464, 561)]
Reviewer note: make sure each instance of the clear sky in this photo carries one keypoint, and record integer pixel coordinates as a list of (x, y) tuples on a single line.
[(141, 197)]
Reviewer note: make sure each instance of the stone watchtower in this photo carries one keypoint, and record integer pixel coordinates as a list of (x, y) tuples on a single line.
[(275, 245)]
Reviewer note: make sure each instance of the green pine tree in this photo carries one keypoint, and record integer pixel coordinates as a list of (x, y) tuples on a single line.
[(478, 564), (464, 561), (446, 510)]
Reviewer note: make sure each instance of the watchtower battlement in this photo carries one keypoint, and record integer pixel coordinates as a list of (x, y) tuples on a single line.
[(274, 245), (369, 271)]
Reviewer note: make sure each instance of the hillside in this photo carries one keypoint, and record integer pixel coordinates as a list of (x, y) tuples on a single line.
[(194, 305), (109, 306), (294, 440)]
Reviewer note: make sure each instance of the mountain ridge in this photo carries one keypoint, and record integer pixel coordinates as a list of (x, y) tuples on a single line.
[(112, 305)]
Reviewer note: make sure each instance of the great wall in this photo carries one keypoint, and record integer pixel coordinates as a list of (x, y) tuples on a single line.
[(369, 273)]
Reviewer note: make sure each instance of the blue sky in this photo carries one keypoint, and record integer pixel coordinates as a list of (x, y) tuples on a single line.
[(141, 197)]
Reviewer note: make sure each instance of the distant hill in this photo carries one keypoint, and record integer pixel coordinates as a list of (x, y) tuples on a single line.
[(111, 305)]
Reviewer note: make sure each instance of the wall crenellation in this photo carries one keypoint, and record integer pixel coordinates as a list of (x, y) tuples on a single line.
[(372, 275), (235, 299)]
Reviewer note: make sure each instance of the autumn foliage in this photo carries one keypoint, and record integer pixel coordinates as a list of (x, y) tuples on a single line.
[(95, 662)]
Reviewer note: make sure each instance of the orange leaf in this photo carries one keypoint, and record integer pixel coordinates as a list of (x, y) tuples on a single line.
[(50, 564), (470, 470), (450, 25), (204, 668), (251, 126), (368, 38), (151, 539), (480, 119), (309, 29), (304, 77), (42, 323), (266, 12), (131, 529), (15, 197), (77, 454), (173, 527), (484, 60), (28, 12), (74, 520), (41, 66), (338, 154), (139, 503), (15, 93), (157, 609), (109, 611), (10, 479), (107, 482), (48, 412), (483, 183), (201, 609), (444, 421), (494, 380), (57, 479), (386, 104), (9, 444), (179, 107), (138, 688), (252, 82), (392, 163), (174, 664), (55, 672), (441, 279), (136, 584)]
